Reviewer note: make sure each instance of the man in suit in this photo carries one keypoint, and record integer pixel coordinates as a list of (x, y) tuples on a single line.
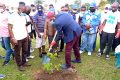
[(66, 25)]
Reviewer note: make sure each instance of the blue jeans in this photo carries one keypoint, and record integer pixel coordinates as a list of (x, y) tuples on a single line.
[(88, 41), (6, 45)]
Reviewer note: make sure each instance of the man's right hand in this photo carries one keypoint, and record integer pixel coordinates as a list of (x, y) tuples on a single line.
[(39, 35), (87, 26), (14, 41)]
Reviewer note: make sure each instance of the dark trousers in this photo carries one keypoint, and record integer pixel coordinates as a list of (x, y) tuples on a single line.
[(33, 33), (61, 44), (29, 46), (116, 42), (75, 45), (106, 38), (22, 44)]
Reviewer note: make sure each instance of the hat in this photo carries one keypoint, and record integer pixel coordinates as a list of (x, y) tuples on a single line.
[(75, 6), (107, 6), (93, 5), (50, 14), (40, 7)]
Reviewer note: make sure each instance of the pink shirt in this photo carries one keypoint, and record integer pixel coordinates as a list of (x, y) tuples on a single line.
[(4, 24)]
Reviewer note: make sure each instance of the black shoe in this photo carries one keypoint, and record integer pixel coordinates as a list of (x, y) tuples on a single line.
[(21, 68), (5, 63), (76, 61), (44, 52), (1, 57), (40, 55)]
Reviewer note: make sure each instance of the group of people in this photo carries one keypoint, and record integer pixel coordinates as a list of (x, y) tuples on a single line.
[(78, 30)]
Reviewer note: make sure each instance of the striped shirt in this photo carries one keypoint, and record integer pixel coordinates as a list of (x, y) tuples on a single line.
[(40, 21)]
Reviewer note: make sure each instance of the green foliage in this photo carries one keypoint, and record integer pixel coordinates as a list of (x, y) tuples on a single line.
[(102, 4), (38, 2), (111, 1), (52, 66)]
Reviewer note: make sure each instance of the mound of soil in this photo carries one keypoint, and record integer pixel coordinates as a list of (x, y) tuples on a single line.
[(57, 75)]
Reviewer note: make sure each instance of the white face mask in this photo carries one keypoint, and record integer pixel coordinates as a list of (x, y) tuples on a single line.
[(105, 11), (1, 10), (74, 11)]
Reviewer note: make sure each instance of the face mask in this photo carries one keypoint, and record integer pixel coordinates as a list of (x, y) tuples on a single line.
[(74, 11), (40, 13), (119, 9), (1, 10), (92, 10), (105, 11), (113, 10), (21, 14), (28, 12)]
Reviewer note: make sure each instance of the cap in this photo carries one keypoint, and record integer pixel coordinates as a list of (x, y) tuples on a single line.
[(107, 6), (50, 14), (75, 6), (40, 7), (93, 5)]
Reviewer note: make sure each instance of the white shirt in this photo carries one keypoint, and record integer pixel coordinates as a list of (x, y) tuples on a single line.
[(103, 16), (112, 20), (19, 26)]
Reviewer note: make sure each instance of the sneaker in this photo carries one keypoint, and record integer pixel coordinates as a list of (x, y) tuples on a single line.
[(21, 68), (31, 49), (89, 53), (1, 57), (107, 57), (99, 54), (30, 57), (81, 51), (76, 61), (5, 63), (64, 66), (27, 60), (2, 76)]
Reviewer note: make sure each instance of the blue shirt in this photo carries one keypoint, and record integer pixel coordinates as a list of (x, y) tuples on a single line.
[(93, 19), (66, 25), (40, 21)]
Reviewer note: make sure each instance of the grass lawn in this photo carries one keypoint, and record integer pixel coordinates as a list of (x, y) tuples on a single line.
[(91, 68)]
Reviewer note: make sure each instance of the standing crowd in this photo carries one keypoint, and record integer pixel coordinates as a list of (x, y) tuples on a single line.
[(77, 29)]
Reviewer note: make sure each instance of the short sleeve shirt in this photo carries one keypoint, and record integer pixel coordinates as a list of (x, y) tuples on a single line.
[(40, 21), (4, 24), (112, 20), (19, 26)]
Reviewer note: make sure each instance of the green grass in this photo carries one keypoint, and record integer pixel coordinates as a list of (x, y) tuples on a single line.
[(91, 68)]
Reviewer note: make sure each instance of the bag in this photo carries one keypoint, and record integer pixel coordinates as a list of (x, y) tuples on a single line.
[(45, 59)]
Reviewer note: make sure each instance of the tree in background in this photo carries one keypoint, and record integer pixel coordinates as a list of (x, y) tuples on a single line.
[(111, 1), (38, 2)]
